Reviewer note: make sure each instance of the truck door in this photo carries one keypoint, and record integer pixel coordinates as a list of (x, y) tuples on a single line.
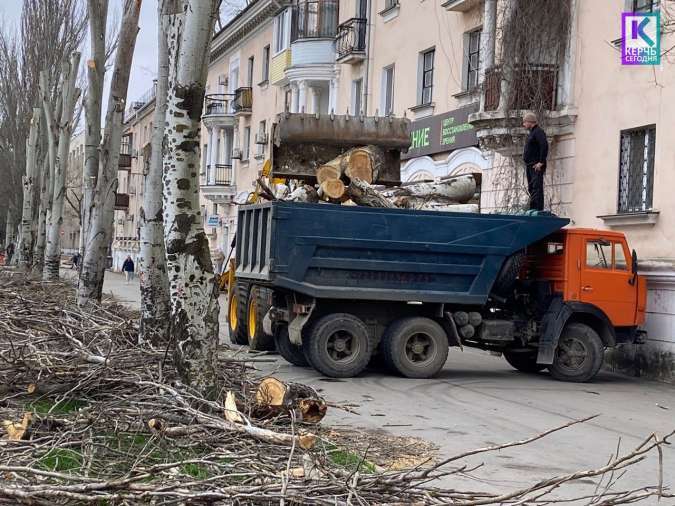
[(606, 280)]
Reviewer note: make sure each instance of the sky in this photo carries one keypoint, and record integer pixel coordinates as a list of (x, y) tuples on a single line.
[(144, 66)]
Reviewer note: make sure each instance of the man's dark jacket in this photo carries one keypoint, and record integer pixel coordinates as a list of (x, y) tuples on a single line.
[(536, 147), (128, 265)]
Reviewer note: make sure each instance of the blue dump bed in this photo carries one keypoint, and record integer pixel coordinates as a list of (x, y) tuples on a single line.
[(348, 252)]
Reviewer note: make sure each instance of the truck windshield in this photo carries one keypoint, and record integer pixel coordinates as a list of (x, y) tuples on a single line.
[(599, 255)]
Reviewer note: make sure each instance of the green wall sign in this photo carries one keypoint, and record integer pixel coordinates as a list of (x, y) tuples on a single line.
[(441, 133)]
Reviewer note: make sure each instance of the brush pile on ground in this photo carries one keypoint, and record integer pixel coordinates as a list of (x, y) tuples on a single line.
[(91, 416)]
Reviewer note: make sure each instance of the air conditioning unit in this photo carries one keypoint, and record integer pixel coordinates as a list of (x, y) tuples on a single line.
[(236, 154), (261, 138)]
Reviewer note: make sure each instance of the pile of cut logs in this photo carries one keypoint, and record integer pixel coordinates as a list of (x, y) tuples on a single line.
[(348, 180)]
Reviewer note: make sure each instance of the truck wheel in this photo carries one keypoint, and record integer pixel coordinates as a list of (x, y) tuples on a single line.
[(524, 362), (415, 347), (289, 351), (339, 346), (508, 274), (258, 306), (236, 314), (579, 354)]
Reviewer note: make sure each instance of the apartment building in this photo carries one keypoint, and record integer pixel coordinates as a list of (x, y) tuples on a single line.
[(70, 230), (449, 66), (134, 159)]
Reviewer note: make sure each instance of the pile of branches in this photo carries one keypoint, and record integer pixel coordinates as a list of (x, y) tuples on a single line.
[(92, 416)]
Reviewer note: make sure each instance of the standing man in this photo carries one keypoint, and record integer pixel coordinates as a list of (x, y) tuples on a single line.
[(128, 269), (534, 156)]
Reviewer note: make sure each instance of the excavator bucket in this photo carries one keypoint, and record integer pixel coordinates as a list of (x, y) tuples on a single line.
[(303, 142)]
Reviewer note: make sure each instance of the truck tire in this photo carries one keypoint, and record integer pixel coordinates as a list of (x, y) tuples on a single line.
[(579, 354), (524, 362), (339, 345), (289, 351), (236, 314), (415, 347), (258, 306), (508, 274)]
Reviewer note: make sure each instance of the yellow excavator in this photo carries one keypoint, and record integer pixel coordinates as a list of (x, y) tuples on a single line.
[(299, 144)]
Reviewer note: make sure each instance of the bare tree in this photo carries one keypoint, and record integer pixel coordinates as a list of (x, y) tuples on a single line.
[(98, 14), (194, 291), (25, 250), (70, 96), (100, 213), (155, 305)]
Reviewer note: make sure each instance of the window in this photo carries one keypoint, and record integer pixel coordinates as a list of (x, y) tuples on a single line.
[(645, 5), (247, 143), (387, 103), (261, 141), (636, 170), (426, 77), (390, 4), (472, 59), (620, 257), (314, 19), (281, 32), (599, 254), (266, 64), (357, 91), (250, 72)]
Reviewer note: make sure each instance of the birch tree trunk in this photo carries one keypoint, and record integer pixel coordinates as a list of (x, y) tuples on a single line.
[(155, 304), (9, 227), (102, 208), (98, 15), (70, 95), (41, 240), (25, 249), (194, 291)]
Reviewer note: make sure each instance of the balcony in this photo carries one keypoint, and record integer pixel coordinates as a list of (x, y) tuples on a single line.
[(121, 201), (314, 19), (218, 109), (534, 87), (460, 5), (243, 101), (351, 40), (219, 187)]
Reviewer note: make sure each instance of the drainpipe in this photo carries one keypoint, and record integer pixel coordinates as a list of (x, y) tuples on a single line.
[(366, 78)]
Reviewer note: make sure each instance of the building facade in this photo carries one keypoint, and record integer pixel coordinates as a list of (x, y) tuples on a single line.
[(464, 71), (70, 230)]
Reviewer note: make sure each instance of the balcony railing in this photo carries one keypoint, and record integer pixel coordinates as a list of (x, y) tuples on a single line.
[(243, 100), (533, 87), (218, 103), (219, 175), (351, 38), (314, 19)]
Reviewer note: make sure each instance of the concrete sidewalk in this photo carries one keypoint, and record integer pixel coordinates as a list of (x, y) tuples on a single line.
[(478, 400)]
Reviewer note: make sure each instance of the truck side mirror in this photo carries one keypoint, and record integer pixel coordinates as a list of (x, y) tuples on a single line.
[(634, 267)]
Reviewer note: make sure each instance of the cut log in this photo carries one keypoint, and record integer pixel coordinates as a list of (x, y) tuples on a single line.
[(333, 188), (275, 396), (459, 189), (364, 194), (331, 170), (304, 193), (365, 163)]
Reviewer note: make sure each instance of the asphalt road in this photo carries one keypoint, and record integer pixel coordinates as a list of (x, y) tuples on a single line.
[(479, 400)]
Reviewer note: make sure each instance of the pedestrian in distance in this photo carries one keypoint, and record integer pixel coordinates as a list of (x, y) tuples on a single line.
[(75, 261), (534, 156), (128, 269), (218, 259)]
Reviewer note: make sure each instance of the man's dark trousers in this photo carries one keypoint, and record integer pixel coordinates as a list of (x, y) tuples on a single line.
[(535, 186)]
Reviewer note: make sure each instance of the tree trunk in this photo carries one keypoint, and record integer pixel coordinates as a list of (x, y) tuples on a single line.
[(41, 240), (194, 290), (25, 249), (155, 304), (70, 95), (274, 396), (98, 14), (9, 227), (362, 163), (332, 189), (102, 209), (365, 195), (458, 189)]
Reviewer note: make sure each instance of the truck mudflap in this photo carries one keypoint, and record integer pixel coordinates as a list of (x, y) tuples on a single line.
[(554, 320), (552, 324)]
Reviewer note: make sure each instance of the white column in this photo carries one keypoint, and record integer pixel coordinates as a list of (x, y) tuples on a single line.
[(302, 96), (567, 70), (487, 44), (332, 95), (294, 98), (227, 147)]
